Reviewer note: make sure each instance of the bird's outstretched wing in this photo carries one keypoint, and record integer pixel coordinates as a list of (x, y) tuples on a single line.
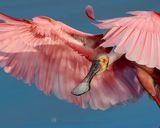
[(136, 36), (57, 57)]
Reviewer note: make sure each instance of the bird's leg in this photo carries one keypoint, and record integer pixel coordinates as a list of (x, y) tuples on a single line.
[(99, 64), (148, 83)]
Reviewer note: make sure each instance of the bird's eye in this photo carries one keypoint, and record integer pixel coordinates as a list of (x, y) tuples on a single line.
[(103, 60)]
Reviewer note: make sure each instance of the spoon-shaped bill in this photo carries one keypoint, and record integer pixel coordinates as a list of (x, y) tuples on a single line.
[(84, 86)]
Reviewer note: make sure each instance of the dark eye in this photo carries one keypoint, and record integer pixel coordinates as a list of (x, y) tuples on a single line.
[(103, 60)]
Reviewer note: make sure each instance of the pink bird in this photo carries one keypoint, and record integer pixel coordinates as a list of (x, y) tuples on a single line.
[(136, 37), (57, 58)]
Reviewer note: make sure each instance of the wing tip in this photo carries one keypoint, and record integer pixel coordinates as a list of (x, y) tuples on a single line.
[(7, 18), (138, 12), (90, 12)]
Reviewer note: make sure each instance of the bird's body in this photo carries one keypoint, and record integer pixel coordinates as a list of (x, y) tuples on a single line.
[(57, 57), (138, 38)]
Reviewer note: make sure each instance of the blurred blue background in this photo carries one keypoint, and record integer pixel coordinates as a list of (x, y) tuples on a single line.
[(26, 107)]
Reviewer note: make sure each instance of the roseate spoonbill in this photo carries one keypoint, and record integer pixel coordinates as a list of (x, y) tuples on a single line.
[(57, 57), (138, 39)]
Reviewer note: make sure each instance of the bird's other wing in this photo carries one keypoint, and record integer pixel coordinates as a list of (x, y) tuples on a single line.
[(137, 36), (62, 45), (53, 56)]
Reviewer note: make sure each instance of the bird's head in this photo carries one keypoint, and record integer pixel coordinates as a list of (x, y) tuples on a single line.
[(103, 61), (99, 65)]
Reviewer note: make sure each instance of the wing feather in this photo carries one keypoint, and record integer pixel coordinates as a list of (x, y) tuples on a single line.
[(143, 51)]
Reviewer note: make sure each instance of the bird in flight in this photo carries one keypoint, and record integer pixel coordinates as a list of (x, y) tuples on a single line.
[(82, 68)]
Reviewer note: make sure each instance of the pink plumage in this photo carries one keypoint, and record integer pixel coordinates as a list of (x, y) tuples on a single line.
[(57, 57), (135, 36), (89, 12)]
